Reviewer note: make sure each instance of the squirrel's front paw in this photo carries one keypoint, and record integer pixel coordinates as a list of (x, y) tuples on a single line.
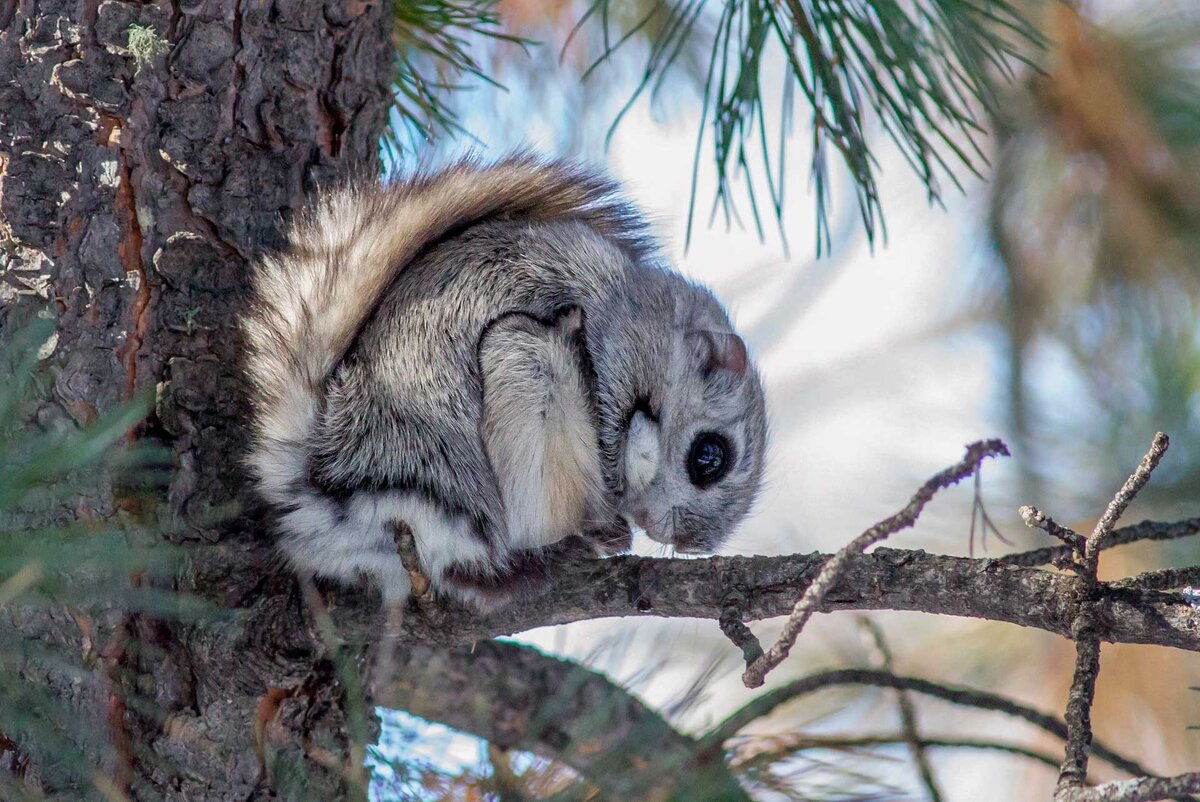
[(485, 588), (613, 538)]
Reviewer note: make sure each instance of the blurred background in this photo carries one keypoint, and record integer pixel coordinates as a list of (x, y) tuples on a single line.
[(1019, 261)]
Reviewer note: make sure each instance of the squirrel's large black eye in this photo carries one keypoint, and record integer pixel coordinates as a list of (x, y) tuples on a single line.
[(708, 459)]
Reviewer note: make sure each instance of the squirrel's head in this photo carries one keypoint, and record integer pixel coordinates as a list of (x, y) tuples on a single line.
[(694, 453)]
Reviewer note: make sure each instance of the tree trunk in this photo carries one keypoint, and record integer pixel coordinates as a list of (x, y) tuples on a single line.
[(139, 176)]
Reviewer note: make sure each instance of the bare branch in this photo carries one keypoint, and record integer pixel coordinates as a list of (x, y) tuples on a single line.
[(276, 652), (1085, 629), (1146, 530), (908, 714), (1079, 701), (1141, 789), (1162, 579), (986, 524), (811, 601), (739, 634), (954, 694), (1133, 485), (1036, 519), (801, 742)]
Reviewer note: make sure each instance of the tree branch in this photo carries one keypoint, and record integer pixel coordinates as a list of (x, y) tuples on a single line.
[(1133, 485), (1161, 579), (814, 595), (1085, 629), (954, 694), (1141, 789), (1079, 701), (1036, 519), (274, 651), (887, 579), (515, 697), (1146, 530), (801, 742)]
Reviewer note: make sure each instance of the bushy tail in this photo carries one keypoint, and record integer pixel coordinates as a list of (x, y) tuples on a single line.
[(311, 301)]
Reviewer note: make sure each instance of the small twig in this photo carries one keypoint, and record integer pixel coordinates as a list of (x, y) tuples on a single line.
[(1036, 519), (1085, 629), (1162, 579), (801, 742), (1133, 485), (812, 598), (1079, 700), (1146, 530), (908, 714), (764, 704), (736, 630), (1141, 789), (979, 513)]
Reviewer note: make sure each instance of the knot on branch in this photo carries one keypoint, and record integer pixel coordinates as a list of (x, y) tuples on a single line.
[(736, 630)]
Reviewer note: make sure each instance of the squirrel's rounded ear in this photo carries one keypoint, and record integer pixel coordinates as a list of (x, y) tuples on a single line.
[(720, 350)]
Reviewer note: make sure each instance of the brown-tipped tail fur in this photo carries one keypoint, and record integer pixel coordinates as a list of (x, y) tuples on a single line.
[(312, 300)]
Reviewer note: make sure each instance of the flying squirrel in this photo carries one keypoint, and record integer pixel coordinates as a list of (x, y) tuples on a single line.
[(496, 357)]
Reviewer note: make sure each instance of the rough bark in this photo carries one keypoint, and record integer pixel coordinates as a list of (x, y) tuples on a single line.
[(132, 198), (765, 587)]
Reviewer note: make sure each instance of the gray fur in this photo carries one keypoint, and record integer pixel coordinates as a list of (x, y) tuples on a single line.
[(539, 428), (365, 355)]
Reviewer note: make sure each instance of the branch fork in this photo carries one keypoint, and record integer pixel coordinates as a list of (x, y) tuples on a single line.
[(814, 596), (1080, 554), (1072, 779)]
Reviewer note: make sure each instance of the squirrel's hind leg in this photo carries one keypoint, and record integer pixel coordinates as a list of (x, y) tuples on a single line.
[(345, 541), (457, 559), (357, 538)]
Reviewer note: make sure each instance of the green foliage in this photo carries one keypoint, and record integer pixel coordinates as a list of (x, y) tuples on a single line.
[(922, 71), (434, 41), (60, 562)]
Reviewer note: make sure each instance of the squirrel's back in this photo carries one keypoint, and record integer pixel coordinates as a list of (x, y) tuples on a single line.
[(325, 335)]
